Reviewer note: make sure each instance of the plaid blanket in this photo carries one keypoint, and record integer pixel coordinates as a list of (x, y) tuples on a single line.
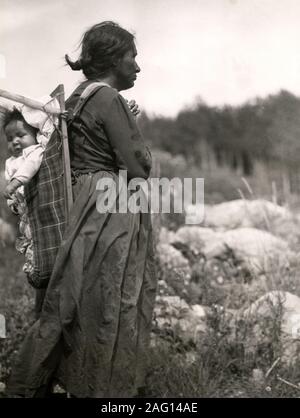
[(45, 199)]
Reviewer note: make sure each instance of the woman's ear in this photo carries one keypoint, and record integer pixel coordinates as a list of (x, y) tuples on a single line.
[(116, 62)]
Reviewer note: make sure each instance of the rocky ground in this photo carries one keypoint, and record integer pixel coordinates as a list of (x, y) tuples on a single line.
[(227, 314), (237, 277)]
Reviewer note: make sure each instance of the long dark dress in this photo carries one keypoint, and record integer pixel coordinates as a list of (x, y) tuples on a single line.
[(94, 328)]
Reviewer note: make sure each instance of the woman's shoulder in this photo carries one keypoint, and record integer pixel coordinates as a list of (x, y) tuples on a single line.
[(105, 94), (100, 91), (93, 85), (101, 99)]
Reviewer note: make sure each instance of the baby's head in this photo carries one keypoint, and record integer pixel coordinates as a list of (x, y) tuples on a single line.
[(18, 133)]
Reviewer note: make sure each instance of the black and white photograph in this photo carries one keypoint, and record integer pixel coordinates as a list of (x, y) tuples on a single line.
[(149, 201)]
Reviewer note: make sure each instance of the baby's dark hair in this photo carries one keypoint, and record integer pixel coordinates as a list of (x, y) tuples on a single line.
[(15, 114), (11, 115), (102, 45)]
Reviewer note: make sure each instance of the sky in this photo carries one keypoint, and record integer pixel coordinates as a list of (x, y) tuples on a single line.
[(220, 51)]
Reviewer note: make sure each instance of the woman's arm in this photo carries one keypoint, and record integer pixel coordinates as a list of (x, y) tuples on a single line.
[(126, 139)]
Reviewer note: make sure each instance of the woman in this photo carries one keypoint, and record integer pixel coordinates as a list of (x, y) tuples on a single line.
[(95, 324)]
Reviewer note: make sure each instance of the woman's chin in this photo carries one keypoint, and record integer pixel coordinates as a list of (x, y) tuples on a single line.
[(128, 84)]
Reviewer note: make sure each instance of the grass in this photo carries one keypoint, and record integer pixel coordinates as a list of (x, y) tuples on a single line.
[(216, 373), (216, 366), (219, 366), (16, 304)]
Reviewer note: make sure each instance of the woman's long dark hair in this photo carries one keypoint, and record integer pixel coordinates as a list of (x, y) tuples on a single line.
[(101, 46)]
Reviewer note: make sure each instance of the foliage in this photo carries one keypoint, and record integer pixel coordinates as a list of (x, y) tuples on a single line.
[(262, 128)]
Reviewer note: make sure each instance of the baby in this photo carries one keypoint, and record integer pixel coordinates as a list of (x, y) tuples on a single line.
[(26, 153), (27, 132), (20, 168)]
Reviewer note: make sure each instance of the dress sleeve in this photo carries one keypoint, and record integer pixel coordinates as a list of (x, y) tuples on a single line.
[(30, 166), (7, 173), (121, 128)]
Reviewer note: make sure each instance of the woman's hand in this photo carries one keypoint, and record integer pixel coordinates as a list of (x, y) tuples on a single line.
[(134, 107)]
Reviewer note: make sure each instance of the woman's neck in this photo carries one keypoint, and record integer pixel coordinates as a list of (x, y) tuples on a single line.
[(109, 79)]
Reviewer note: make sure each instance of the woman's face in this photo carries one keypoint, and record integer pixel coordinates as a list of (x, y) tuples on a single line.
[(126, 70)]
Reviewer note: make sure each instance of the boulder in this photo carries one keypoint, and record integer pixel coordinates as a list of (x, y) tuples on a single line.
[(173, 315), (242, 213), (260, 251), (255, 250), (166, 236), (200, 240), (271, 323), (175, 271), (172, 259)]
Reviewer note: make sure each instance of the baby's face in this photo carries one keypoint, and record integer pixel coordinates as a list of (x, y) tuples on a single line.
[(19, 136)]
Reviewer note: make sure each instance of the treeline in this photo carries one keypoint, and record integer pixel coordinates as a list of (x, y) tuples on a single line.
[(263, 129)]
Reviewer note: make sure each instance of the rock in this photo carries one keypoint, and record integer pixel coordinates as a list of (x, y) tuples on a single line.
[(243, 213), (227, 215), (58, 389), (171, 258), (220, 280), (200, 240), (166, 236), (171, 306), (254, 250), (272, 323), (199, 311), (288, 230), (2, 326), (258, 378), (260, 251), (176, 271), (172, 313)]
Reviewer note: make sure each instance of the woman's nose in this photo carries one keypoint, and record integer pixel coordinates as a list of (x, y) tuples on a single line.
[(137, 68), (15, 140)]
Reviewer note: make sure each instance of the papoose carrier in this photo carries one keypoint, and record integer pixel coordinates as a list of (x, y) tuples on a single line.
[(49, 194)]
